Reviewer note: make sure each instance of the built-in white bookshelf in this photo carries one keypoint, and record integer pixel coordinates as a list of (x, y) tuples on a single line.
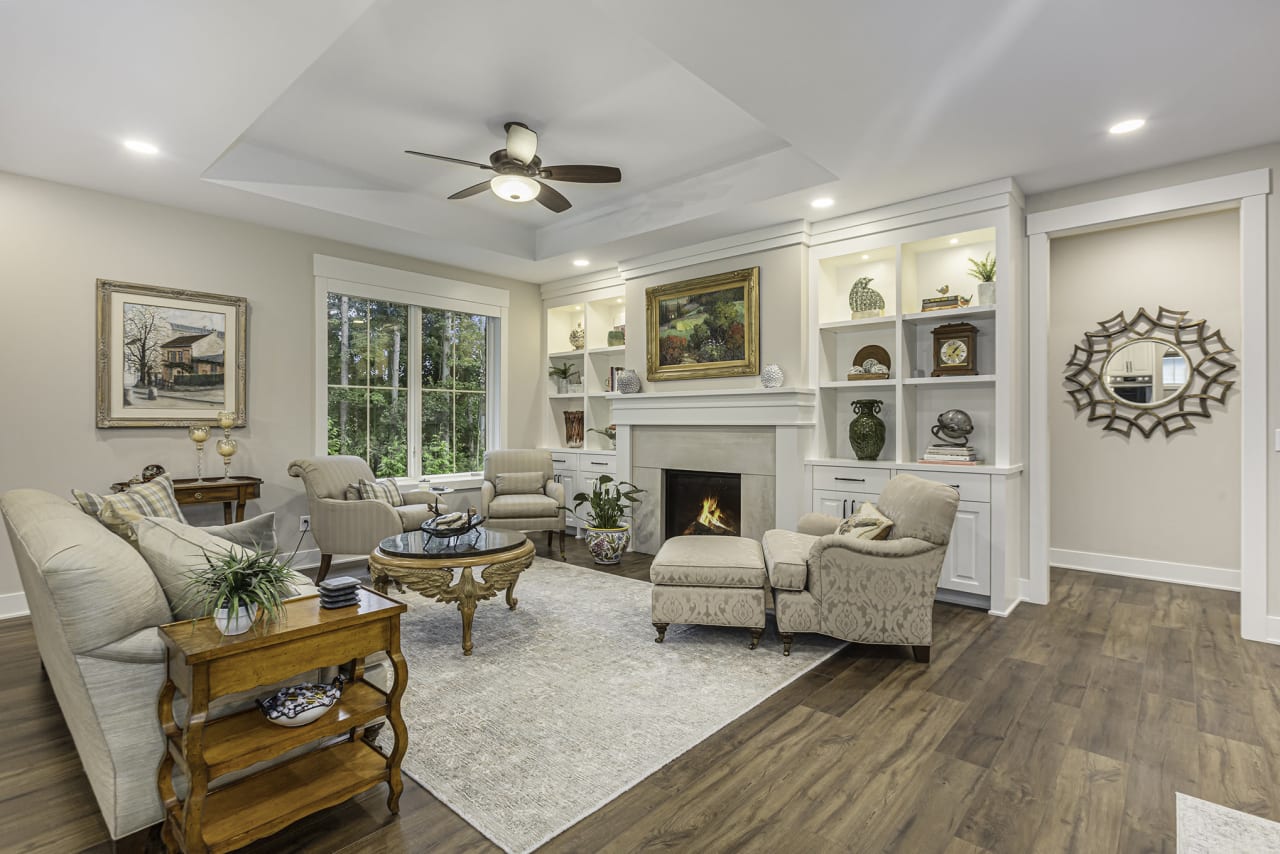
[(597, 313)]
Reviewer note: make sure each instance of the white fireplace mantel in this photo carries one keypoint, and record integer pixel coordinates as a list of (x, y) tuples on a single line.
[(793, 407)]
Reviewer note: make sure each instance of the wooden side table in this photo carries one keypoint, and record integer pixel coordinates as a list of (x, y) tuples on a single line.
[(203, 665), (233, 492)]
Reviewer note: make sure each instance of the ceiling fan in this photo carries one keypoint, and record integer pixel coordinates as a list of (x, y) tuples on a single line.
[(519, 169)]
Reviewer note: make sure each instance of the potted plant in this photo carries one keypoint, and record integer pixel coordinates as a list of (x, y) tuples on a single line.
[(562, 374), (985, 272), (608, 532), (237, 588)]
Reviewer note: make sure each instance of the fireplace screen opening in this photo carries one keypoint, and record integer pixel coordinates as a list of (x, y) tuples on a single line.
[(702, 503)]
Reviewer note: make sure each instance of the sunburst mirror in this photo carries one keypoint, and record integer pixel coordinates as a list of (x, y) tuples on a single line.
[(1150, 373)]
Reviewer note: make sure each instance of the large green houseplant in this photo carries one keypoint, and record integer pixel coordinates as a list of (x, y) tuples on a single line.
[(608, 533), (239, 587)]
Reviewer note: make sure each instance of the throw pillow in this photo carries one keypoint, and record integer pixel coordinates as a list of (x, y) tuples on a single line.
[(256, 533), (383, 489), (520, 483), (868, 523), (153, 498), (174, 550)]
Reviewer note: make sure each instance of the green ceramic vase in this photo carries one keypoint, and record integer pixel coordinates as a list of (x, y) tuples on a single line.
[(866, 431)]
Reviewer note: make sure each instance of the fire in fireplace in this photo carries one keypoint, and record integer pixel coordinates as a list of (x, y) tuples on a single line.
[(701, 503)]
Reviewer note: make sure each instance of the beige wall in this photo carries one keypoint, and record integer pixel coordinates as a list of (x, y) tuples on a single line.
[(55, 240), (783, 316), (1162, 498), (1255, 158)]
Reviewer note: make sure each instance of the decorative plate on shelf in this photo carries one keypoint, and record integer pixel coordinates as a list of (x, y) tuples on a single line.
[(299, 705), (870, 363)]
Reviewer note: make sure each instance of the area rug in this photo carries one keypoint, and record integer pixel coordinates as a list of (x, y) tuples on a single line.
[(567, 702), (1208, 828)]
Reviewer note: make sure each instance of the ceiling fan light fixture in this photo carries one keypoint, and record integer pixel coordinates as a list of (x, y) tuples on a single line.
[(515, 188)]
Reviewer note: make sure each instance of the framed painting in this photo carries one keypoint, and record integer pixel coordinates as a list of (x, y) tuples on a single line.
[(704, 328), (169, 358)]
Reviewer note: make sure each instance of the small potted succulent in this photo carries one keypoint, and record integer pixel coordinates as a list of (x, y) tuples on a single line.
[(608, 533), (240, 588), (985, 272), (563, 374)]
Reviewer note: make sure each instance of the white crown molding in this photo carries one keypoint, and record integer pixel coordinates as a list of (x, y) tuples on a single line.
[(971, 199), (582, 284), (358, 272), (773, 237)]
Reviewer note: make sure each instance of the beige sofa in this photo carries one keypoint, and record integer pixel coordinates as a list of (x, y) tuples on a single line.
[(95, 605)]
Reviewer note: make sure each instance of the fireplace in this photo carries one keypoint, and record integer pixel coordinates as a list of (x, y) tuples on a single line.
[(701, 503)]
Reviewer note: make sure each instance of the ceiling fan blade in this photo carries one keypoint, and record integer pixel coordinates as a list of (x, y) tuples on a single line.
[(582, 174), (451, 159), (522, 143), (471, 191), (552, 200)]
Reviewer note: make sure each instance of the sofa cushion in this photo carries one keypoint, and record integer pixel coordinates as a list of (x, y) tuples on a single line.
[(920, 508), (413, 515), (117, 510), (786, 556), (523, 506), (709, 562), (866, 523), (256, 533), (520, 483), (383, 489)]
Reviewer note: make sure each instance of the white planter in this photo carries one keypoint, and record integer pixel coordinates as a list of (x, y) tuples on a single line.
[(607, 544), (236, 624), (986, 293)]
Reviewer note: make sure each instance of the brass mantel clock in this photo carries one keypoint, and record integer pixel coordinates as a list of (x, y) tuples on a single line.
[(955, 350)]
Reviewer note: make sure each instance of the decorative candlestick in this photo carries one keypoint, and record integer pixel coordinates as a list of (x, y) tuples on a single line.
[(226, 445), (199, 433)]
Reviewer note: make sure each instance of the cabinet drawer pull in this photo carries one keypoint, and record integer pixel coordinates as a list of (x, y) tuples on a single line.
[(594, 463), (852, 479), (198, 496), (844, 507), (954, 486), (554, 460)]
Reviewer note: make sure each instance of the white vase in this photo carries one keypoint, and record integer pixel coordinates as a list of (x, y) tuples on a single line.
[(236, 624), (771, 376), (628, 382), (986, 293)]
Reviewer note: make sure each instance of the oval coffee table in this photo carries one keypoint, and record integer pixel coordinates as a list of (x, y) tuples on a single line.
[(427, 565)]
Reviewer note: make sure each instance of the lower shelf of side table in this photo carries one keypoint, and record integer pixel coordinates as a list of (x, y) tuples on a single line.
[(264, 803)]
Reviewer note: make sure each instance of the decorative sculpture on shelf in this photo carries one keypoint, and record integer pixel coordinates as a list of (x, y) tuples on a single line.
[(866, 431), (863, 301)]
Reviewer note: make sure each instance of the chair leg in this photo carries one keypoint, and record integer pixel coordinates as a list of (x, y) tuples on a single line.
[(562, 544), (921, 653), (325, 562), (662, 631), (786, 638), (550, 536), (755, 637)]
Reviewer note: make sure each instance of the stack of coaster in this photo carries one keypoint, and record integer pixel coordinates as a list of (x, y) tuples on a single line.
[(339, 592)]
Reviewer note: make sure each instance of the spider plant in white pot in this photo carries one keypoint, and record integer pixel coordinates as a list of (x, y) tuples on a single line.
[(985, 272), (238, 587), (608, 533)]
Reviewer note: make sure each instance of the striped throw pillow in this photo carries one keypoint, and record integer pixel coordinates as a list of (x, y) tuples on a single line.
[(383, 489), (153, 498)]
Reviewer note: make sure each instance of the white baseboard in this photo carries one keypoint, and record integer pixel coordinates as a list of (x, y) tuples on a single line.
[(1151, 570), (13, 605), (310, 559), (1273, 630)]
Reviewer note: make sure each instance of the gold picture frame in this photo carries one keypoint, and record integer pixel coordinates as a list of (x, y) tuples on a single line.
[(169, 358), (704, 328)]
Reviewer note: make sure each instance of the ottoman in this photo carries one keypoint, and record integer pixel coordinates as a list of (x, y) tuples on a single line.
[(709, 581)]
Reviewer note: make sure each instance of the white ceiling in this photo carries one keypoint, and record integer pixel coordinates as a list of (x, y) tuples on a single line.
[(723, 115)]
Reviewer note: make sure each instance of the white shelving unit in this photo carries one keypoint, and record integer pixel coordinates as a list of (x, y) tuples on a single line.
[(907, 263)]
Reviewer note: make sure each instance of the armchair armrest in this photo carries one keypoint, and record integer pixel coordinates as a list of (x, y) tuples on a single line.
[(142, 647), (487, 491), (899, 548), (818, 524), (351, 527)]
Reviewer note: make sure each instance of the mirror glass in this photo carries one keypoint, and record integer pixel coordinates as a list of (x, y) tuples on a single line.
[(1146, 373)]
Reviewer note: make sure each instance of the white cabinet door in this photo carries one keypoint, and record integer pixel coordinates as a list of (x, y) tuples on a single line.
[(967, 566), (839, 504), (567, 479)]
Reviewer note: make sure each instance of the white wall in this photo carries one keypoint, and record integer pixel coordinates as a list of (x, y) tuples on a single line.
[(1168, 499), (55, 240), (1255, 158), (783, 316)]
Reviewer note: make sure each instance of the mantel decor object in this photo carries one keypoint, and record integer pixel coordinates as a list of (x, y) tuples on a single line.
[(870, 363), (628, 382), (577, 338), (704, 328), (955, 347), (573, 428), (169, 358), (771, 376), (863, 301), (1150, 373), (866, 431), (199, 433)]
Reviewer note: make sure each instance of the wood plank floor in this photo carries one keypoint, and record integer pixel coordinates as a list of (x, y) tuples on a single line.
[(1067, 727)]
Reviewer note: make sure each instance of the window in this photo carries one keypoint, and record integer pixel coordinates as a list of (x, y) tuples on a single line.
[(401, 419)]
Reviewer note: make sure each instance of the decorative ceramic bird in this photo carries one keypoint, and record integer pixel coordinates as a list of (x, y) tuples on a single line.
[(944, 290)]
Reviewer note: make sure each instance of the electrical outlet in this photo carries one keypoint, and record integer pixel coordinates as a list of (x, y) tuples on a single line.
[(304, 524)]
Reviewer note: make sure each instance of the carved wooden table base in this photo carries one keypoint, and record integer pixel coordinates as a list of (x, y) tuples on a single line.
[(433, 577)]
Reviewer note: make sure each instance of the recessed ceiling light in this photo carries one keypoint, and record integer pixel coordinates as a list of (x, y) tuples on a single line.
[(824, 202), (619, 299), (1128, 125), (137, 146), (866, 257), (954, 241), (580, 262)]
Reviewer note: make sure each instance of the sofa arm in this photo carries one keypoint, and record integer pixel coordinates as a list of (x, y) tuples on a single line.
[(352, 527), (141, 647), (486, 495), (882, 592), (903, 547), (818, 524), (555, 490)]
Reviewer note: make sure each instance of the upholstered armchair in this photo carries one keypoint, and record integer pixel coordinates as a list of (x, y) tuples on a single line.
[(341, 522), (520, 493), (868, 591)]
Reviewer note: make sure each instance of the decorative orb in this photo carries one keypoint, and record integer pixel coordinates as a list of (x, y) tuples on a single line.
[(955, 424)]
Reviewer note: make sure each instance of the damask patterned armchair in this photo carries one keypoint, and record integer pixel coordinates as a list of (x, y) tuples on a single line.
[(867, 591)]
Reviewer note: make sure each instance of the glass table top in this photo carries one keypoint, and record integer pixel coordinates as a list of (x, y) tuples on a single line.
[(476, 543)]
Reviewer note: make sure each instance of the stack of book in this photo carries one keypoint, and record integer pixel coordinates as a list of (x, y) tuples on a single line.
[(341, 592), (956, 455)]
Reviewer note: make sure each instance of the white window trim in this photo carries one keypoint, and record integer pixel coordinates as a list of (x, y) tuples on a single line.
[(356, 278)]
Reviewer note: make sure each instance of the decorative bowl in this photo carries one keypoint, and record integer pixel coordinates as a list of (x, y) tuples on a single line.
[(465, 524), (299, 705)]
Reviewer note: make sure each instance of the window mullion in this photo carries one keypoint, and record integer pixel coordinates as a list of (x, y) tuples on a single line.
[(413, 379)]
